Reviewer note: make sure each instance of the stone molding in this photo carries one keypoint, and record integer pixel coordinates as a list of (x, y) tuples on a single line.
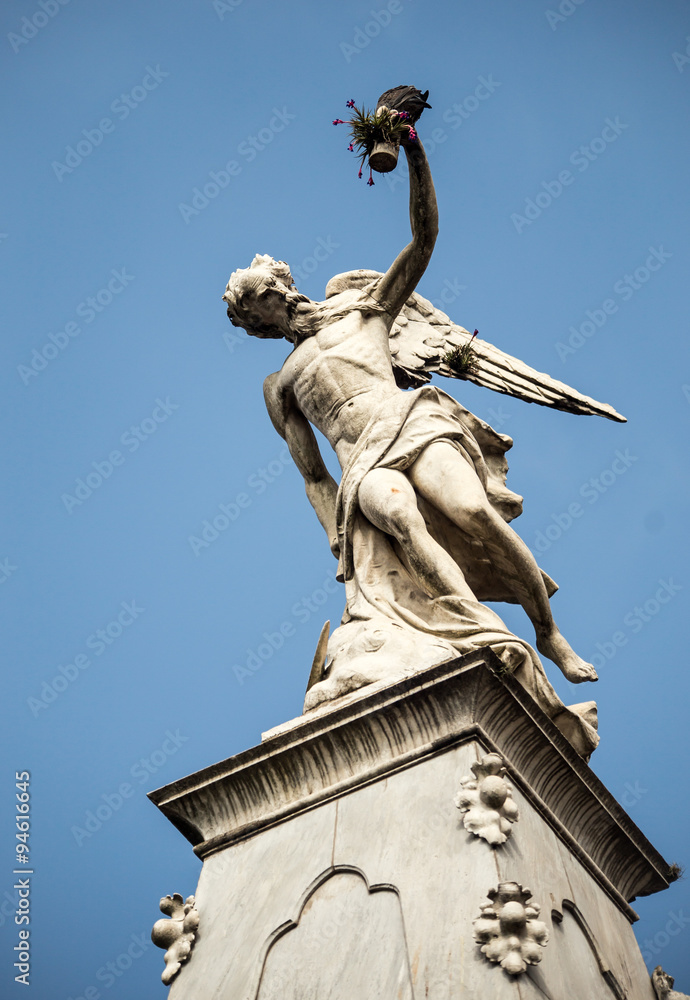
[(568, 906), (387, 728)]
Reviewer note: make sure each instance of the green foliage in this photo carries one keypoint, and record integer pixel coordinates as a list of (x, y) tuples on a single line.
[(462, 360), (369, 127)]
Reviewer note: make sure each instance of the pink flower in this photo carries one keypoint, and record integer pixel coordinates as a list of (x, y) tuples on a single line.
[(413, 135), (360, 172), (474, 335), (351, 148), (350, 104), (338, 121)]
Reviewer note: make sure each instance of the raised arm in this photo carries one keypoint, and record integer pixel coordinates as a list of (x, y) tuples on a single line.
[(401, 279), (294, 427)]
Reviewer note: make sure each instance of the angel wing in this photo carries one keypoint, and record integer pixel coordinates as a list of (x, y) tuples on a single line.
[(422, 336)]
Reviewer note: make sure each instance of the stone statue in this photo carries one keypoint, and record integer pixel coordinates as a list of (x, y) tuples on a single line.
[(419, 520), (663, 986)]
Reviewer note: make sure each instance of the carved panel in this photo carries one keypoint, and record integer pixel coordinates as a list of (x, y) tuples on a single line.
[(347, 942), (574, 957)]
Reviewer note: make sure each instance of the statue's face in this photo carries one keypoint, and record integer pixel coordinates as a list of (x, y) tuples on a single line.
[(266, 303), (258, 297)]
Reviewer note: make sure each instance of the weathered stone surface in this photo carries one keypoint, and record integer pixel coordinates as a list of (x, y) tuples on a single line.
[(381, 731), (175, 933), (509, 930), (358, 928), (663, 986), (418, 521), (335, 860), (486, 801)]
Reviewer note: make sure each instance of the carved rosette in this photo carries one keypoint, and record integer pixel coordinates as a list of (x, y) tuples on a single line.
[(487, 802), (508, 929), (177, 933)]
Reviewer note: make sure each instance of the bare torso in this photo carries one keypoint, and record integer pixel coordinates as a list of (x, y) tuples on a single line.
[(339, 376)]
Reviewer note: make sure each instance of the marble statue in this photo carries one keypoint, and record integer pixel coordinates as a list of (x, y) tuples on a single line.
[(663, 986), (419, 521)]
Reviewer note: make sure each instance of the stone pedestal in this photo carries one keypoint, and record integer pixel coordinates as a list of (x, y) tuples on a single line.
[(337, 865)]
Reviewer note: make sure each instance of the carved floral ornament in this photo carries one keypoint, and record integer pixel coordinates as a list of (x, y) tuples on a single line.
[(177, 933), (487, 802), (508, 929)]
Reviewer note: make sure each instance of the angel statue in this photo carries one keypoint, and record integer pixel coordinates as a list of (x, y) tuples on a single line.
[(419, 520)]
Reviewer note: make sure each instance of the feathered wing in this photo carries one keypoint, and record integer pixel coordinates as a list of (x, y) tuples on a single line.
[(422, 336)]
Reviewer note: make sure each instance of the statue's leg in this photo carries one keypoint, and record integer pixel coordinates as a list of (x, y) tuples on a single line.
[(444, 478), (387, 499)]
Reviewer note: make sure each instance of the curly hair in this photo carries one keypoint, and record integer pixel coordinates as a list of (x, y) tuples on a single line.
[(241, 291)]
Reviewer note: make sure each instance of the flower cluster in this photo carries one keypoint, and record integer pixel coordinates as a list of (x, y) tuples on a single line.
[(367, 128)]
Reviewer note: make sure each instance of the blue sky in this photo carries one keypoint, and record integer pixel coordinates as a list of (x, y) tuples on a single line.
[(120, 369)]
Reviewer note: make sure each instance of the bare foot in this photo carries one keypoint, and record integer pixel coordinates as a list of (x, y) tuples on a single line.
[(573, 667)]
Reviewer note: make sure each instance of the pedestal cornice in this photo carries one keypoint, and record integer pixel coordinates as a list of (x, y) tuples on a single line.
[(384, 729)]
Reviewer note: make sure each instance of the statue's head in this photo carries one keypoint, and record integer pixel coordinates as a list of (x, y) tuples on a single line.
[(662, 983), (261, 298)]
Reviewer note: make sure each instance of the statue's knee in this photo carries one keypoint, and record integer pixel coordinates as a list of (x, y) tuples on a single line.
[(404, 519), (475, 517)]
